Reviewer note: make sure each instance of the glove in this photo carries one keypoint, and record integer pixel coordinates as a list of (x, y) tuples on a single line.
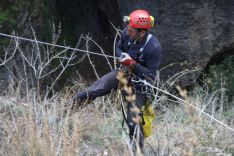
[(126, 60)]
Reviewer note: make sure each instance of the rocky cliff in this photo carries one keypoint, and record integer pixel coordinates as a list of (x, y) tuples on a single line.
[(191, 32)]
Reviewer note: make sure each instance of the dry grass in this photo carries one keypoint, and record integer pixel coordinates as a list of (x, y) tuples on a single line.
[(37, 129), (31, 125), (30, 128)]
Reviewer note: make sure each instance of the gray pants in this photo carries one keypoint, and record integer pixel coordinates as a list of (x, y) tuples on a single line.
[(104, 86), (100, 87)]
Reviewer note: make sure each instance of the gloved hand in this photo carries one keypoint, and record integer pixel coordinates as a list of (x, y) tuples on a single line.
[(126, 60)]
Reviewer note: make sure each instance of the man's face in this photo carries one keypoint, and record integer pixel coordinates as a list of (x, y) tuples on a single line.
[(132, 33)]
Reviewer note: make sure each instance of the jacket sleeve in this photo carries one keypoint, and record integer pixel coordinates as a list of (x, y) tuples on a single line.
[(152, 64), (120, 44)]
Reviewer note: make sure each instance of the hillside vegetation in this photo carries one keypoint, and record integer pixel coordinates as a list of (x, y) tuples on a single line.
[(29, 127), (32, 121)]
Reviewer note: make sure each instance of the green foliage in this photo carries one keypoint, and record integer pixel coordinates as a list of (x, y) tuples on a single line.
[(8, 18), (229, 114), (3, 16), (4, 42), (222, 76), (13, 13), (46, 33)]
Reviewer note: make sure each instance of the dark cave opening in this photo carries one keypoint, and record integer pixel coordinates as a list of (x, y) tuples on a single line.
[(218, 58), (219, 74), (88, 18)]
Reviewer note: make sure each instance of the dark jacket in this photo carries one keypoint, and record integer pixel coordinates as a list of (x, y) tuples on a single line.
[(147, 60)]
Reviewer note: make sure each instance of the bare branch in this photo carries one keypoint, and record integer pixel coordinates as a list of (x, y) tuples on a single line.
[(108, 62), (7, 57), (87, 48)]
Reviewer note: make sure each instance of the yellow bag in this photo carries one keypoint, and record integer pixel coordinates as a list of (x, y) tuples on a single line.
[(147, 119)]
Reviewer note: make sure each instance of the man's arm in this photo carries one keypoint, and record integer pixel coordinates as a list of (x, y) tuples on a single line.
[(152, 64), (119, 46)]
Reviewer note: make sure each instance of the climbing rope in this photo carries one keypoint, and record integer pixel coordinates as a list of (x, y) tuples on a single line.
[(54, 45), (148, 84), (138, 81)]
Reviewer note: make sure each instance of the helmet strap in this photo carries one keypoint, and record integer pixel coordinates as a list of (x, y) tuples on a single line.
[(138, 35)]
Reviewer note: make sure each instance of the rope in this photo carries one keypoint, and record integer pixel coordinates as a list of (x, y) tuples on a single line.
[(55, 45), (143, 81), (148, 84)]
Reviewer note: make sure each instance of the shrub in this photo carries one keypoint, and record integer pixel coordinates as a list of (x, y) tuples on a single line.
[(222, 76)]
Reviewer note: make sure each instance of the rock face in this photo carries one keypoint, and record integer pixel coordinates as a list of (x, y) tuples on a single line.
[(89, 17), (191, 32)]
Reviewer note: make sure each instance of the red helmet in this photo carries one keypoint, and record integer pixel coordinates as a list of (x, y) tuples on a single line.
[(140, 19)]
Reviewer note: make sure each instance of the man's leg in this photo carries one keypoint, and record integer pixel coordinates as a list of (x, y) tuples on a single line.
[(100, 87)]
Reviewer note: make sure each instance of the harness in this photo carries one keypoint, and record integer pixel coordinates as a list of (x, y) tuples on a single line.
[(129, 76), (145, 113), (147, 40)]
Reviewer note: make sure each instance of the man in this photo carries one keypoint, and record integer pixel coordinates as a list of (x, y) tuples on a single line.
[(137, 50)]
